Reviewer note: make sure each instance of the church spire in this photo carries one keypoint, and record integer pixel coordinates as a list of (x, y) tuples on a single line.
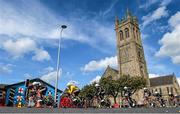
[(128, 13)]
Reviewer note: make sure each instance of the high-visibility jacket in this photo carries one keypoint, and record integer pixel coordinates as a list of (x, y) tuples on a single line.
[(71, 89)]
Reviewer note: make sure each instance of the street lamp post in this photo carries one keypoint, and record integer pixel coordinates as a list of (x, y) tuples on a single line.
[(58, 66)]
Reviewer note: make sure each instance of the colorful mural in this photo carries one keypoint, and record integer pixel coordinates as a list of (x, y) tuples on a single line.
[(31, 93)]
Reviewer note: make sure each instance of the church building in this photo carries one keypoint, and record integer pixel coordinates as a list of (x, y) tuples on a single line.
[(131, 59)]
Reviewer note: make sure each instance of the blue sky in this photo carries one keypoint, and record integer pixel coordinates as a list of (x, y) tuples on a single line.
[(29, 32)]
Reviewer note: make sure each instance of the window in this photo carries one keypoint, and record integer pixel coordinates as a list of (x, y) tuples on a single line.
[(137, 34), (152, 91), (127, 32), (172, 90), (160, 91), (121, 35), (156, 89), (134, 33), (167, 90)]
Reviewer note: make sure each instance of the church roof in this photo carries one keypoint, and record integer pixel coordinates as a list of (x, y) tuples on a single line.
[(110, 72), (113, 69), (110, 69), (162, 80)]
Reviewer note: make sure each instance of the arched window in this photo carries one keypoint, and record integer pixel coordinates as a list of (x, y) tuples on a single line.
[(167, 90), (121, 35), (127, 32), (134, 34), (137, 33), (171, 90), (160, 90)]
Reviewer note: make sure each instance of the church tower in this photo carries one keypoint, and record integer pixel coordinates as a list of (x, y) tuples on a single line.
[(130, 51)]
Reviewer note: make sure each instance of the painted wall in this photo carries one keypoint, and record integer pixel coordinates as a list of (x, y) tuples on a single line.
[(16, 92), (49, 89)]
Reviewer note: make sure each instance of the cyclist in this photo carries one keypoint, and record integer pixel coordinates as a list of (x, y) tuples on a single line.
[(147, 97), (127, 94)]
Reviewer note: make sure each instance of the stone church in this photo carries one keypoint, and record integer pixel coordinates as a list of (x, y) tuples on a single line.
[(131, 59)]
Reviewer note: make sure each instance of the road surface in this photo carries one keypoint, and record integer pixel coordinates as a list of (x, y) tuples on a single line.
[(88, 110)]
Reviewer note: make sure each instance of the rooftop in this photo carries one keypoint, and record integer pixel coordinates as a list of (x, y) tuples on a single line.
[(35, 79), (162, 80), (2, 86)]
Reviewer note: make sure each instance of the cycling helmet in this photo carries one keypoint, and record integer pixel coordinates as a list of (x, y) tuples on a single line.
[(145, 88), (97, 85), (156, 92), (170, 93), (125, 88)]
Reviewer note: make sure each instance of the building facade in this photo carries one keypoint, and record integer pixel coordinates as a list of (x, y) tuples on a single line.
[(165, 85)]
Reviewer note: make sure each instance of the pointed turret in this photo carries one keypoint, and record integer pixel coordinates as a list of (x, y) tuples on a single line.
[(116, 22)]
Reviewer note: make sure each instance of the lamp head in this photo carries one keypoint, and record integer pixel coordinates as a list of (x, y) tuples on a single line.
[(63, 26)]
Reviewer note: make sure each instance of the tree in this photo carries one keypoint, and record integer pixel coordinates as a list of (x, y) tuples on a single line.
[(111, 87), (114, 87), (138, 83), (88, 91), (135, 83)]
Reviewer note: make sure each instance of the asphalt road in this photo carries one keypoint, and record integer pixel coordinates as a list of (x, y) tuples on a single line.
[(89, 110)]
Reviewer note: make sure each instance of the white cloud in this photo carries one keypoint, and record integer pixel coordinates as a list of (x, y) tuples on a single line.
[(157, 14), (28, 76), (20, 47), (165, 2), (100, 64), (95, 80), (174, 21), (170, 41), (5, 68), (154, 64), (41, 55), (109, 9), (21, 19), (51, 76), (148, 3), (48, 69)]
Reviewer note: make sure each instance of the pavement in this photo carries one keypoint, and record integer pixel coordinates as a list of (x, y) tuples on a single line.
[(88, 110)]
